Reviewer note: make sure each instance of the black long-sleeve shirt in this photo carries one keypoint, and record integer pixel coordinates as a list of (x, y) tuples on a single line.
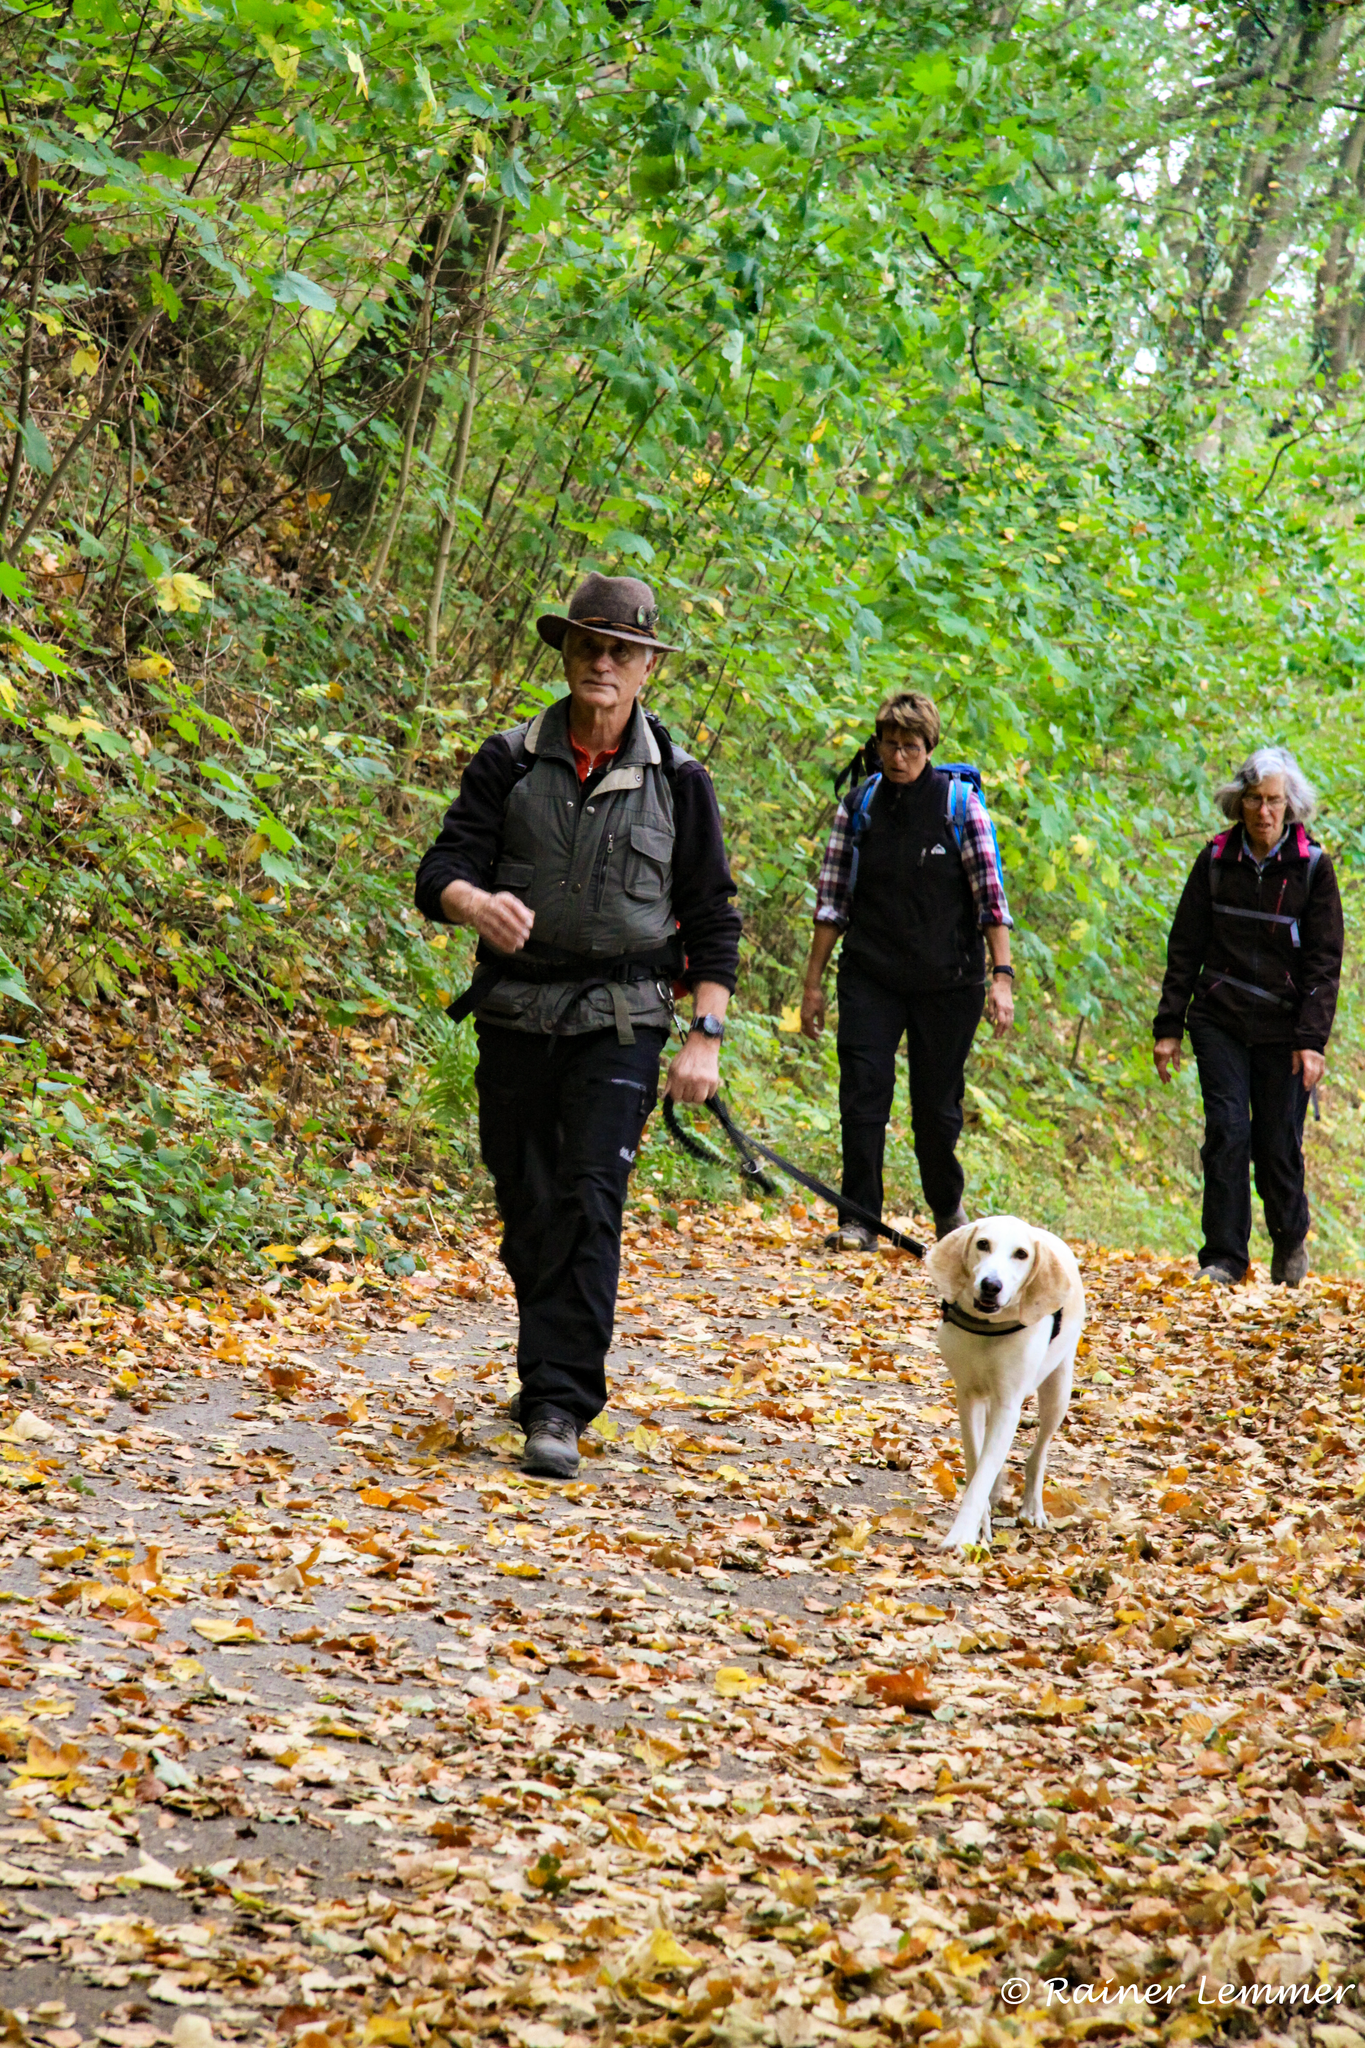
[(1217, 957), (467, 848)]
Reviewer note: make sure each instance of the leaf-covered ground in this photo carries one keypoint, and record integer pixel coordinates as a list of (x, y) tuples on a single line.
[(323, 1724)]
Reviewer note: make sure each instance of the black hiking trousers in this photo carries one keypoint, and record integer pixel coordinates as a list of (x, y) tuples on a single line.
[(1254, 1105), (938, 1030), (559, 1123)]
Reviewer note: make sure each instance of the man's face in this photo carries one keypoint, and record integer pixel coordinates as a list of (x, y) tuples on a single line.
[(602, 672)]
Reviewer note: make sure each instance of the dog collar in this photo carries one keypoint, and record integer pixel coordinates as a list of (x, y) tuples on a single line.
[(979, 1327)]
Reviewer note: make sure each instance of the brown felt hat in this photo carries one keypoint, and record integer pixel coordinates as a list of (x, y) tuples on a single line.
[(618, 605)]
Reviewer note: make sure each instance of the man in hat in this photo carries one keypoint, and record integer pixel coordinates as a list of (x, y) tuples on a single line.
[(585, 849)]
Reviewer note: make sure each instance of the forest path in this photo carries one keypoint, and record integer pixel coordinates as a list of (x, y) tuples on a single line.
[(326, 1722)]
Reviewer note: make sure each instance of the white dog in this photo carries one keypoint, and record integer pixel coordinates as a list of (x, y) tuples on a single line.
[(1013, 1307)]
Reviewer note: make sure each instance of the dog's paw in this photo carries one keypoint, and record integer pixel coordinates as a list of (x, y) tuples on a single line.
[(961, 1539), (1033, 1513)]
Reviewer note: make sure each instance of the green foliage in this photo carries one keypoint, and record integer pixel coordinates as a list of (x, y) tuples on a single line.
[(893, 345)]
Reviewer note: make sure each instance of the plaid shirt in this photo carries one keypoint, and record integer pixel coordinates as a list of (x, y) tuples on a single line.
[(833, 892)]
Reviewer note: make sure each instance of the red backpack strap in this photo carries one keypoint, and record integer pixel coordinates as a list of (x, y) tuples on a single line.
[(1220, 844), (1303, 845)]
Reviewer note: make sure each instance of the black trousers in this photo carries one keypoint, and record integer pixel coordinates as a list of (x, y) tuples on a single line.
[(559, 1123), (938, 1031), (1254, 1105)]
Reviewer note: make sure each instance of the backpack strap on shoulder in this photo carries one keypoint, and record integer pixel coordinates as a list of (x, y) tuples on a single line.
[(1217, 848), (1309, 850), (859, 801), (860, 805)]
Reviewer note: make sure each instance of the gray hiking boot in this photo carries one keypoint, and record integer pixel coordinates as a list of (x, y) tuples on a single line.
[(551, 1445), (1289, 1265), (1220, 1273), (944, 1224)]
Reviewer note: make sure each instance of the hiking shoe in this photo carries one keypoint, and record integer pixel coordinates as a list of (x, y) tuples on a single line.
[(514, 1408), (1289, 1265), (944, 1224), (551, 1445), (851, 1237), (1221, 1273)]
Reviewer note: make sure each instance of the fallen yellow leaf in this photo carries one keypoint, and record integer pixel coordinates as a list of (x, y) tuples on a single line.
[(732, 1681), (662, 1952), (220, 1630), (43, 1761)]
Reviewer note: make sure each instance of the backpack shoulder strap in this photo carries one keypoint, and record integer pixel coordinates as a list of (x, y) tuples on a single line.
[(962, 776), (1217, 848), (860, 805), (671, 755), (1309, 850)]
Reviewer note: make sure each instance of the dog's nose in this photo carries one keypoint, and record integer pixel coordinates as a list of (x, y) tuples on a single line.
[(988, 1288)]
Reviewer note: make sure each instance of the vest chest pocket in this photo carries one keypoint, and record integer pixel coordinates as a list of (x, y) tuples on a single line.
[(647, 863), (514, 874)]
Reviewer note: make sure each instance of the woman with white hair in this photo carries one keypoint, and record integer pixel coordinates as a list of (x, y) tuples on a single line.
[(1253, 964)]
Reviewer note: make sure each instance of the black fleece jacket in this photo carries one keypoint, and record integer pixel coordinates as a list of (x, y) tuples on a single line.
[(1217, 953), (703, 888)]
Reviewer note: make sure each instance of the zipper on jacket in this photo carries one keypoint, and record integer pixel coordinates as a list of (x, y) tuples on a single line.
[(603, 857)]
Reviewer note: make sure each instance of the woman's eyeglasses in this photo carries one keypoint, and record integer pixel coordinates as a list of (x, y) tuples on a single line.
[(906, 747)]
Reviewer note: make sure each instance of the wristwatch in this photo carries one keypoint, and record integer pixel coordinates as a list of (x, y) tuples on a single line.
[(709, 1027)]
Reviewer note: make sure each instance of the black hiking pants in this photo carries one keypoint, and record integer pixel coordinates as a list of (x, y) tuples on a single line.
[(559, 1123), (938, 1031), (1254, 1105)]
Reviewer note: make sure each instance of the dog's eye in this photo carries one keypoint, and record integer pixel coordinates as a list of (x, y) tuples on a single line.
[(1019, 1252), (983, 1244)]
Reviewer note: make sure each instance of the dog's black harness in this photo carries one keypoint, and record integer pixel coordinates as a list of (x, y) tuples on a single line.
[(979, 1327)]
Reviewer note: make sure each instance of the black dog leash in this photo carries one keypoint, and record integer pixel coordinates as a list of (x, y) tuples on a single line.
[(747, 1147)]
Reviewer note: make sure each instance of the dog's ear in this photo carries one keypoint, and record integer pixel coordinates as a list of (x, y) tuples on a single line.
[(1047, 1286), (945, 1262)]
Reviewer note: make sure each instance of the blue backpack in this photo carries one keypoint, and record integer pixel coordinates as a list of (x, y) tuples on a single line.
[(962, 776)]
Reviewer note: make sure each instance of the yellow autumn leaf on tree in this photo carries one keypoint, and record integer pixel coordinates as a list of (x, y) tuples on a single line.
[(85, 362), (790, 1020), (285, 59), (181, 592), (151, 668)]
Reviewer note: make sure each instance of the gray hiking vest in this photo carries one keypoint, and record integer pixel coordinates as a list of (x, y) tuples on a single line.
[(597, 870)]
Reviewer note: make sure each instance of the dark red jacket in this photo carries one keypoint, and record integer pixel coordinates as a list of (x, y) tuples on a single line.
[(1256, 951)]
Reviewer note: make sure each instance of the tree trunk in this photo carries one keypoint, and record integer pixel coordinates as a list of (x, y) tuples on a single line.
[(461, 455)]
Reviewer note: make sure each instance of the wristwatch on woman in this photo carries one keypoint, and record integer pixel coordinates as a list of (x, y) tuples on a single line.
[(709, 1027)]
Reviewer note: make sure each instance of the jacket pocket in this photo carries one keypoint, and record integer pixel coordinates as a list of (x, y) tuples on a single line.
[(514, 874), (651, 854)]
